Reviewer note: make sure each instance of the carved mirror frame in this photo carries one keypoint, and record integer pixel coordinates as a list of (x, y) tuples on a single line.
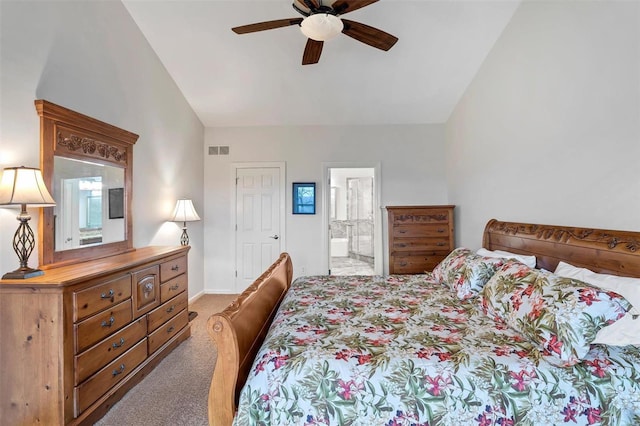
[(69, 134)]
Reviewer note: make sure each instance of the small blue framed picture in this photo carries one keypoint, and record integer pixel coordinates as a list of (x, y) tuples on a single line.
[(304, 198)]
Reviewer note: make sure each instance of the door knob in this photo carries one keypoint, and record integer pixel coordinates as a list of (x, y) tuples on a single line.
[(275, 237)]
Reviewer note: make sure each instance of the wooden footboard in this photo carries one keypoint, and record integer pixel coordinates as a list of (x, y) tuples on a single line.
[(238, 333)]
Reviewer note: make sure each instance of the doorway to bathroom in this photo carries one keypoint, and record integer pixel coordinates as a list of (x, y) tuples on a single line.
[(353, 211)]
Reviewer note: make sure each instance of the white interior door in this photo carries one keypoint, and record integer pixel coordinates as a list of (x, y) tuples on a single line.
[(259, 217), (68, 227)]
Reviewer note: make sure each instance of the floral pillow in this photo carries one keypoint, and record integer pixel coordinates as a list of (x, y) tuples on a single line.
[(449, 265), (465, 272), (561, 315)]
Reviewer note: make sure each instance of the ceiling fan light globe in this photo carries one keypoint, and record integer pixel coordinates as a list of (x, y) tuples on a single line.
[(321, 26)]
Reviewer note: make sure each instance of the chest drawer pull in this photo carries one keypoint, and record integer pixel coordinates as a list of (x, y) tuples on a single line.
[(441, 231), (403, 263), (119, 344), (175, 268), (441, 243), (118, 371), (174, 287), (108, 323), (107, 295), (170, 329), (171, 308)]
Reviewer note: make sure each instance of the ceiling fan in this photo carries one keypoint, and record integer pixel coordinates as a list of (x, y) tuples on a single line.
[(322, 22)]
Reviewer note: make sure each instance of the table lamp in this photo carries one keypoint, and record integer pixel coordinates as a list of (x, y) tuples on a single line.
[(184, 212), (24, 186)]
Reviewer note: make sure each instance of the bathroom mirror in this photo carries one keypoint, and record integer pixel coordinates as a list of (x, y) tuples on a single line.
[(87, 166)]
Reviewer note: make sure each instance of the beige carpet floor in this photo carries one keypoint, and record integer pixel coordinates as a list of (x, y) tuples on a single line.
[(175, 392)]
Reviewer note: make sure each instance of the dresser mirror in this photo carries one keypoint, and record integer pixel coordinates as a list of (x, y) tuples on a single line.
[(89, 204), (87, 166)]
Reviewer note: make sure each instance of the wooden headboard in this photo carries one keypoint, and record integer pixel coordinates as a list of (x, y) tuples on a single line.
[(600, 250)]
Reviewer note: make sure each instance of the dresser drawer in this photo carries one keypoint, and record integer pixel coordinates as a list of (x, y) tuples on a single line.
[(172, 287), (97, 298), (94, 358), (166, 311), (173, 268), (146, 290), (421, 244), (93, 388), (421, 216), (167, 331), (421, 231), (101, 325), (416, 264)]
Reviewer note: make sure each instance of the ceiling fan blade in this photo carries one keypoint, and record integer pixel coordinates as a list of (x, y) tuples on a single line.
[(344, 6), (312, 4), (312, 52), (369, 35), (268, 25), (300, 7)]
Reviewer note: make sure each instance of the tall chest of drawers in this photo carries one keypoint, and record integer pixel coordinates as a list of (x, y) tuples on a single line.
[(419, 237), (76, 339)]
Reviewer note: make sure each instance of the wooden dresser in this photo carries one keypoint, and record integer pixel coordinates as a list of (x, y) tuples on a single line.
[(419, 237), (76, 339)]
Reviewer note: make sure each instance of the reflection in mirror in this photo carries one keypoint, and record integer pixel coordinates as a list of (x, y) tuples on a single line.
[(84, 196)]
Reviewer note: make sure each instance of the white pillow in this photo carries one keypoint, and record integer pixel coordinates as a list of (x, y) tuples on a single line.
[(625, 331), (530, 261)]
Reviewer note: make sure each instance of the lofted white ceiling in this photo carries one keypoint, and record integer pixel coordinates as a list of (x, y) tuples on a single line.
[(257, 79)]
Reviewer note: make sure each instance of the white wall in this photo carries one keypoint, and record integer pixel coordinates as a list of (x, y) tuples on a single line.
[(412, 172), (92, 58), (549, 129)]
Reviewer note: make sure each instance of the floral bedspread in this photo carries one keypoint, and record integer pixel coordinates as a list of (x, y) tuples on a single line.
[(401, 350)]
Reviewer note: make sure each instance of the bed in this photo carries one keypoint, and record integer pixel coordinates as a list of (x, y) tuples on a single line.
[(418, 349)]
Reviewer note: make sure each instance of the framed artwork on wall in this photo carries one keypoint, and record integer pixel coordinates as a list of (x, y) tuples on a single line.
[(304, 198)]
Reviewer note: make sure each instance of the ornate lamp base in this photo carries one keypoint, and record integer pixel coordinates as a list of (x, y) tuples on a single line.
[(184, 238), (23, 244)]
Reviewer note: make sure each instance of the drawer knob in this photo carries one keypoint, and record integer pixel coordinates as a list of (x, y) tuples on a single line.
[(403, 263), (119, 344), (108, 295), (175, 268), (174, 287), (118, 371), (401, 245), (148, 288), (170, 309), (441, 243), (108, 323), (440, 230), (170, 329)]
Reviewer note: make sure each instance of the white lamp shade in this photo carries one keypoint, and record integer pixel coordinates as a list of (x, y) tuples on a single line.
[(184, 212), (321, 26), (24, 185)]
